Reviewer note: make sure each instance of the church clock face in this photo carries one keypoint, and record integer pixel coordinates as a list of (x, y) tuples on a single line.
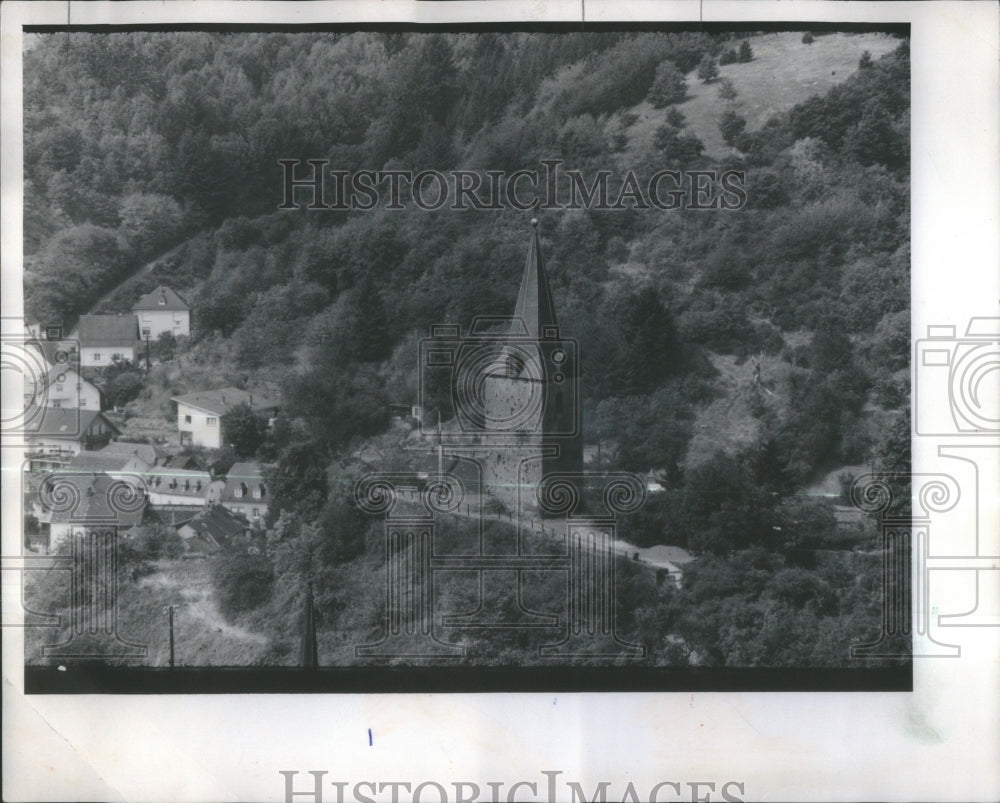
[(500, 388)]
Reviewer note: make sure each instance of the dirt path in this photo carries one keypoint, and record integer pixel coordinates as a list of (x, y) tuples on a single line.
[(141, 271), (199, 604)]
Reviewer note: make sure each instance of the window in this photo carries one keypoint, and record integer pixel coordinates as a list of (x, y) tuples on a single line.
[(145, 332), (256, 512), (211, 421), (258, 492), (163, 301), (116, 356), (97, 356), (187, 419), (56, 403), (59, 387)]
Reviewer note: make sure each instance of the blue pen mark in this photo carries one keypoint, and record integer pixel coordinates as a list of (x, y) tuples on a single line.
[(369, 737)]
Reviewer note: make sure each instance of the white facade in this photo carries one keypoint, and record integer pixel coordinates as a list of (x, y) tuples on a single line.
[(70, 391), (103, 356), (153, 323), (177, 487), (199, 427)]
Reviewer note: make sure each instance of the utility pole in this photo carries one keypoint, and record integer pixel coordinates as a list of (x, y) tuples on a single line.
[(171, 614)]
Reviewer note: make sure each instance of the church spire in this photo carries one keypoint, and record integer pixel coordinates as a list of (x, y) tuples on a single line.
[(534, 300)]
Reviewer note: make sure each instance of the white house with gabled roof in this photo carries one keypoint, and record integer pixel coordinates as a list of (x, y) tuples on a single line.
[(162, 310), (199, 415)]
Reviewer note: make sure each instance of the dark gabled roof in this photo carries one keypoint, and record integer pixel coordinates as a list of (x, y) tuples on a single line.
[(221, 401), (172, 302), (188, 461), (59, 422), (99, 500), (218, 523), (108, 330), (250, 474)]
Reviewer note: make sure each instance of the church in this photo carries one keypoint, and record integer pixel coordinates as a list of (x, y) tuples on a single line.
[(515, 392)]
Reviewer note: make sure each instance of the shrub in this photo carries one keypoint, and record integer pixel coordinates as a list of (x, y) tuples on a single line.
[(732, 127), (242, 582), (669, 85), (708, 70), (807, 38)]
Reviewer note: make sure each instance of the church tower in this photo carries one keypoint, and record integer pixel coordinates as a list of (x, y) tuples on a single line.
[(532, 394)]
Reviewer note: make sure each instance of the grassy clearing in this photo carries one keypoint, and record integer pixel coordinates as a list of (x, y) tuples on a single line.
[(783, 73), (201, 636)]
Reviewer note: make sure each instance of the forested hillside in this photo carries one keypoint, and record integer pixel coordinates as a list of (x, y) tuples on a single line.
[(735, 354)]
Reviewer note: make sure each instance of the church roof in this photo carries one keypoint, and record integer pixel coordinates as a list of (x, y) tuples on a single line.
[(534, 300)]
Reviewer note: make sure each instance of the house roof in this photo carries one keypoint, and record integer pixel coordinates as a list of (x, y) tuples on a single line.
[(250, 474), (98, 500), (221, 401), (180, 461), (217, 523), (58, 422), (146, 452), (172, 302), (108, 330), (55, 351), (178, 482), (90, 462)]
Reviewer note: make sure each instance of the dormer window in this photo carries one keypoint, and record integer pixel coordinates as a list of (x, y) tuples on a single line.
[(241, 491), (163, 301), (258, 492)]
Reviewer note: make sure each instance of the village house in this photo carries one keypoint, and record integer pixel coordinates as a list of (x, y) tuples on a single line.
[(63, 387), (161, 311), (212, 530), (245, 490), (199, 415), (106, 339), (150, 454), (177, 488), (120, 466), (96, 507), (60, 434)]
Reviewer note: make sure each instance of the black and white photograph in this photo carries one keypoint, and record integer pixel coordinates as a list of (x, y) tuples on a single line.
[(380, 357), (487, 349)]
